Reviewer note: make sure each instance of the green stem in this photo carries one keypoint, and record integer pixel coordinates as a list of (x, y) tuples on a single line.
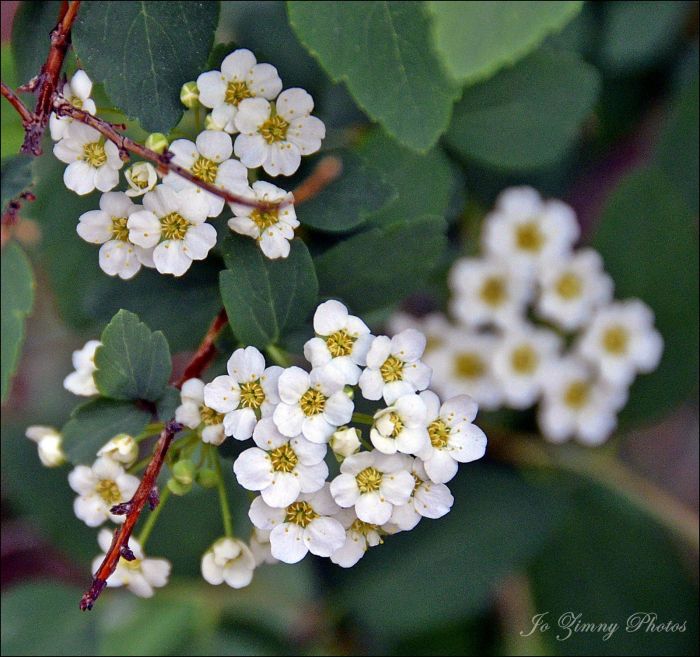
[(363, 418), (277, 355), (152, 429), (223, 499), (151, 520), (139, 465)]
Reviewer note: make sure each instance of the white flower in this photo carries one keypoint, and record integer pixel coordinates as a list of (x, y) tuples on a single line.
[(428, 500), (240, 77), (142, 178), (572, 288), (401, 427), (228, 560), (108, 227), (193, 412), (453, 437), (122, 449), (140, 575), (271, 228), (435, 326), (276, 135), (345, 441), (524, 230), (621, 341), (77, 92), (520, 363), (359, 536), (279, 467), (341, 343), (577, 405), (311, 404), (247, 393), (488, 291), (49, 445), (99, 488), (209, 159), (394, 367), (302, 527), (374, 483), (81, 382), (259, 544), (92, 161), (173, 223)]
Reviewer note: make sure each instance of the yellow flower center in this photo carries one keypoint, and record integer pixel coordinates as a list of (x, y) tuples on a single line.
[(205, 169), (569, 286), (236, 92), (252, 395), (468, 365), (524, 359), (439, 434), (417, 483), (493, 291), (284, 458), (94, 154), (76, 102), (397, 423), (264, 218), (209, 416), (369, 480), (174, 226), (615, 340), (312, 402), (274, 129), (529, 237), (108, 491), (134, 564), (392, 369), (119, 229), (364, 528), (340, 343), (576, 394), (300, 513)]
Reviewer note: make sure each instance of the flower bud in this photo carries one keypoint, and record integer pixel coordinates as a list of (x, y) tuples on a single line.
[(157, 142), (349, 391), (178, 488), (189, 94), (183, 472), (211, 124), (49, 445), (207, 478), (345, 442), (141, 177), (122, 449)]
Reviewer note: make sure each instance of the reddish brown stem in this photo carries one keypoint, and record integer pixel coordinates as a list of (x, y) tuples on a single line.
[(14, 100), (326, 171), (206, 351)]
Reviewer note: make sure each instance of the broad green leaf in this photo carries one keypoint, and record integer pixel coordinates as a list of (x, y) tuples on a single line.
[(382, 51), (649, 242), (167, 403), (133, 361), (16, 178), (527, 116), (265, 298), (17, 300), (31, 36), (607, 563), (11, 128), (359, 192), (144, 52), (475, 39), (94, 423)]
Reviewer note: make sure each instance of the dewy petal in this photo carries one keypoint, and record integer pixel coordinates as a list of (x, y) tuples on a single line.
[(144, 229), (351, 551), (338, 409), (199, 240), (307, 452), (466, 443), (273, 244), (379, 351), (330, 316), (246, 364), (185, 152), (293, 103), (408, 345), (282, 491), (79, 177), (238, 65), (264, 81), (433, 500), (441, 467), (116, 204), (233, 176), (397, 487), (161, 201), (212, 89), (306, 133), (287, 544), (264, 516), (461, 408), (95, 226), (225, 116), (214, 145), (405, 517), (252, 113), (344, 490), (316, 352), (371, 384), (252, 150), (106, 178), (253, 469), (289, 419), (240, 423), (293, 383), (170, 258), (222, 394), (283, 158), (370, 508), (312, 477), (324, 536), (316, 428)]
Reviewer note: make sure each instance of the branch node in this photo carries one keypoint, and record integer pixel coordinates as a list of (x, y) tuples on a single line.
[(153, 498)]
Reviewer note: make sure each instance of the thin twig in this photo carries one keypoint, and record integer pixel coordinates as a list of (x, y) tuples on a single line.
[(205, 353), (14, 100), (327, 170)]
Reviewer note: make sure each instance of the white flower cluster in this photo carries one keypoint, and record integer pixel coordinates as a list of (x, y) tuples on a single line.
[(497, 354), (414, 445), (273, 129)]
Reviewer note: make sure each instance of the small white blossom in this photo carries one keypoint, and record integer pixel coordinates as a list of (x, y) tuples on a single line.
[(140, 575), (240, 77), (525, 231), (122, 449), (193, 413), (359, 536), (81, 382), (246, 394), (401, 427), (174, 223), (280, 467), (394, 367), (49, 444), (373, 483), (345, 441), (259, 544), (99, 488), (453, 437), (341, 343), (108, 227), (621, 341), (228, 560), (313, 404), (276, 135), (92, 161), (77, 92), (209, 159), (435, 326), (272, 228), (142, 178), (302, 527)]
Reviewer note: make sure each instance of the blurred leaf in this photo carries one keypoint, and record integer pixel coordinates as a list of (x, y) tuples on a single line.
[(133, 362), (10, 123), (475, 39), (527, 116), (648, 240), (95, 422), (382, 51), (265, 298), (360, 191), (607, 563), (446, 569), (382, 265), (167, 403), (31, 36), (16, 178), (17, 300), (218, 53), (144, 52)]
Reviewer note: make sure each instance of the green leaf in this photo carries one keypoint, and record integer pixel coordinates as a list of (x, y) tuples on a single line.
[(649, 242), (266, 298), (167, 403), (382, 265), (31, 36), (94, 423), (475, 39), (133, 361), (10, 124), (144, 52), (17, 300), (382, 51), (16, 178), (359, 192), (526, 116)]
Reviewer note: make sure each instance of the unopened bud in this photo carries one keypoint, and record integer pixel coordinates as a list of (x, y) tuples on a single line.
[(345, 442), (211, 124), (141, 178), (189, 94), (207, 478), (177, 488), (183, 472), (122, 449), (157, 142), (49, 445)]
